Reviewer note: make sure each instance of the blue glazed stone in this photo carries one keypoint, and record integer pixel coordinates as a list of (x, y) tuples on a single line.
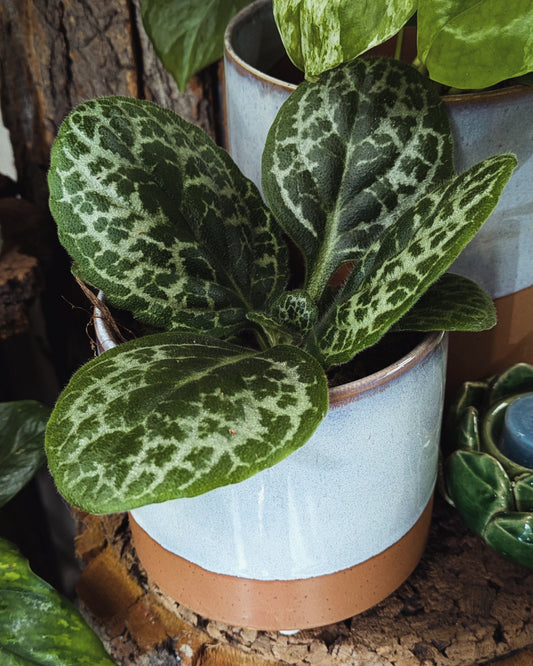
[(517, 435)]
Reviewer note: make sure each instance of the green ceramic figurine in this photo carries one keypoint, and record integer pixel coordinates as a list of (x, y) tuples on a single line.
[(488, 470)]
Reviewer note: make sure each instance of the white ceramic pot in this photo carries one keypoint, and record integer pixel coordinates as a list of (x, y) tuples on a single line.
[(328, 532), (500, 257)]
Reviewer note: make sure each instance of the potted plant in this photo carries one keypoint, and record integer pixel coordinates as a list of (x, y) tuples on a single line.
[(193, 424), (484, 121)]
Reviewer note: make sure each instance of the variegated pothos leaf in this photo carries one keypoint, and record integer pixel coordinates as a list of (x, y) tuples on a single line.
[(174, 415), (347, 154), (321, 34), (37, 625), (412, 254), (161, 219)]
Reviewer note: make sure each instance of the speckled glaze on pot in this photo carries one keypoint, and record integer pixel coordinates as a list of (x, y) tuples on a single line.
[(354, 501), (500, 257)]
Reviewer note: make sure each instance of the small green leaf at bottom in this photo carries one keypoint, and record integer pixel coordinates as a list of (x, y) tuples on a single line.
[(37, 625), (22, 425)]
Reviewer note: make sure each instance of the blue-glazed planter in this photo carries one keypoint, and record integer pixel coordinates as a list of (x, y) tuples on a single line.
[(500, 257), (324, 534)]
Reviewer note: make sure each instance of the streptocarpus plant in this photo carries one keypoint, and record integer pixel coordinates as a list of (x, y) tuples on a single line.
[(357, 168)]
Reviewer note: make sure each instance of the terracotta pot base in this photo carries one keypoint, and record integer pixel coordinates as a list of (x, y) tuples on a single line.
[(283, 605)]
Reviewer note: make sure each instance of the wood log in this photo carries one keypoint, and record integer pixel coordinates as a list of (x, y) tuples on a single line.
[(463, 605), (57, 54)]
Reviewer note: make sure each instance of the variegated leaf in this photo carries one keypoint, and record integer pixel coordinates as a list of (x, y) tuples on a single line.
[(321, 34), (412, 254), (452, 303), (347, 154), (38, 626), (161, 219), (473, 44), (289, 319), (174, 415)]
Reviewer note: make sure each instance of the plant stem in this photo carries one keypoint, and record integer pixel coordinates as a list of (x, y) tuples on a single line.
[(420, 66), (399, 44)]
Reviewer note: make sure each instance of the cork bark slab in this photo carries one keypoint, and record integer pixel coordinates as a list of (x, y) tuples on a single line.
[(19, 285), (463, 605)]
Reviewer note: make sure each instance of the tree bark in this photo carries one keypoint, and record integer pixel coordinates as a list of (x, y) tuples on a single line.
[(55, 54)]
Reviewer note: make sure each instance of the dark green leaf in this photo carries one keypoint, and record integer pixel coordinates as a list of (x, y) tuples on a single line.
[(37, 625), (173, 415), (347, 154), (161, 219), (452, 303), (22, 425), (473, 43), (188, 35), (478, 487)]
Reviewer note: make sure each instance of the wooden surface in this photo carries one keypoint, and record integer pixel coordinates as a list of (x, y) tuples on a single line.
[(463, 605)]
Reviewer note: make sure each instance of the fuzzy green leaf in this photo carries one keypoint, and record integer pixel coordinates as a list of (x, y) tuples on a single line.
[(37, 625), (475, 43), (173, 415), (188, 35), (321, 34), (412, 254), (22, 425), (159, 218), (347, 154), (452, 303)]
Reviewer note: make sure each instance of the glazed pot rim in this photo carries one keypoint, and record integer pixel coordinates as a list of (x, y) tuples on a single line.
[(337, 394), (375, 380), (473, 97)]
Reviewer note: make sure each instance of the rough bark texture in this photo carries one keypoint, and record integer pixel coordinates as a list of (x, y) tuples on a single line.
[(20, 272), (55, 54), (464, 605)]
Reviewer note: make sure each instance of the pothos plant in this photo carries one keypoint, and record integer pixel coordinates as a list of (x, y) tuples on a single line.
[(461, 43), (357, 168)]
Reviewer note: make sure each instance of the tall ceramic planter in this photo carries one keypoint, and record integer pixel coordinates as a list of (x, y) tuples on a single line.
[(500, 257), (326, 533)]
